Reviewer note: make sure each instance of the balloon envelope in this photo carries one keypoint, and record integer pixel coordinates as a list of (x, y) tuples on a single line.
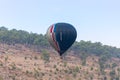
[(61, 36)]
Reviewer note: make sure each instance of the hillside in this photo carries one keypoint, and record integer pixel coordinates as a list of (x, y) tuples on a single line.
[(28, 56), (21, 63)]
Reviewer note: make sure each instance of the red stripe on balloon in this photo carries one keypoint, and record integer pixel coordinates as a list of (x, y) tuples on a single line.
[(51, 29), (56, 44), (53, 37)]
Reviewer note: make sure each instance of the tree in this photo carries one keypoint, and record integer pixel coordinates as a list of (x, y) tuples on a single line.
[(45, 56)]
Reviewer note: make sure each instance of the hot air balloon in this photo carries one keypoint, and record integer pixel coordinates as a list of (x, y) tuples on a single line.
[(61, 36)]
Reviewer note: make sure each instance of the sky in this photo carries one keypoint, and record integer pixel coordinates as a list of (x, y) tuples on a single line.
[(94, 20)]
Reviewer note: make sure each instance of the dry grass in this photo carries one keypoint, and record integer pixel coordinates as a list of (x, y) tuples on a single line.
[(21, 63)]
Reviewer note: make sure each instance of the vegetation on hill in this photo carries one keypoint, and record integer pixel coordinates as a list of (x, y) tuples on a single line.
[(89, 60), (87, 47), (21, 37)]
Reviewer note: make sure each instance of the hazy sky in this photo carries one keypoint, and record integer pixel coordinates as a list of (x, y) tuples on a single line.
[(95, 20)]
